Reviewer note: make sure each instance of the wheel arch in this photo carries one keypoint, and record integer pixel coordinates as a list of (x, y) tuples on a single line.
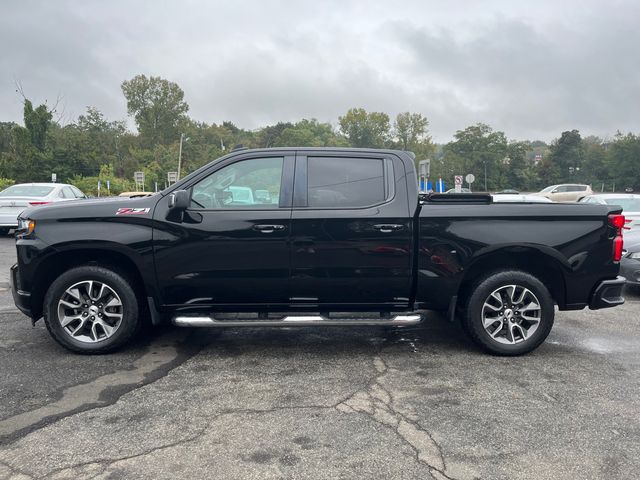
[(539, 263), (63, 260)]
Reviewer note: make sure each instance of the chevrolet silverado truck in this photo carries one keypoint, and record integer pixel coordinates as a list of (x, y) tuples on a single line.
[(308, 237)]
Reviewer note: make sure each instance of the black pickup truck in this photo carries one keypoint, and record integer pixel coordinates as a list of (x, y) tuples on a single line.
[(303, 236)]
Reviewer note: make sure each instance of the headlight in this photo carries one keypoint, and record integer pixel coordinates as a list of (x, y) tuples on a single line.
[(634, 255), (26, 226)]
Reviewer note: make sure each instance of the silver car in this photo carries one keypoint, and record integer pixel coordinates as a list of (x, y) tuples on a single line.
[(629, 202), (17, 198)]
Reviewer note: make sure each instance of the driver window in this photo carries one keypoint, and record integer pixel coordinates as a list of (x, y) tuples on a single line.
[(249, 184)]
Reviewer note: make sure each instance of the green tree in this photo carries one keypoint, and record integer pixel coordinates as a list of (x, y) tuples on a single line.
[(158, 107), (411, 129), (365, 129), (478, 149), (564, 162), (624, 161)]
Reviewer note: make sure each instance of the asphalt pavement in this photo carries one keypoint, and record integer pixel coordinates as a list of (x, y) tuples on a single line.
[(330, 403)]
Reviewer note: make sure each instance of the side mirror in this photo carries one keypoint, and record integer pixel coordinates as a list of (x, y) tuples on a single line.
[(179, 200)]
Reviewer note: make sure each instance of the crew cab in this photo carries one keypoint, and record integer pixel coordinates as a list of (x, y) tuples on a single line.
[(312, 236)]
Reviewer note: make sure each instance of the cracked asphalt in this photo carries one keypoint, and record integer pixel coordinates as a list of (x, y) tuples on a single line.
[(322, 403)]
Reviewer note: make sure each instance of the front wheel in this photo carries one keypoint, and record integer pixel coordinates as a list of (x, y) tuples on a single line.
[(509, 313), (91, 309)]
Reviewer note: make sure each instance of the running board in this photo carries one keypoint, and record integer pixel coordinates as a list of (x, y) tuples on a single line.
[(299, 321)]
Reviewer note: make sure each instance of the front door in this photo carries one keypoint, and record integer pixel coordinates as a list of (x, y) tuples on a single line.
[(231, 245), (351, 231)]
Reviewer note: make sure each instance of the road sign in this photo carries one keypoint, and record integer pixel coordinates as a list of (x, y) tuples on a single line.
[(138, 177), (172, 177), (458, 183), (54, 178), (470, 178)]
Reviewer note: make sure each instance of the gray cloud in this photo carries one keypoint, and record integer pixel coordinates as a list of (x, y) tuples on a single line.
[(530, 70)]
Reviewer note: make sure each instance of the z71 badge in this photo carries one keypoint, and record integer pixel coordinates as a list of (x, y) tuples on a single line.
[(132, 211)]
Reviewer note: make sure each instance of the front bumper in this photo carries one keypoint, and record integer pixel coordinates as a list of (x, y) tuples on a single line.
[(608, 294), (21, 298)]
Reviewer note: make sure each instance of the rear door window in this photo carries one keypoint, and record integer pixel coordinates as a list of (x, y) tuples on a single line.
[(342, 182)]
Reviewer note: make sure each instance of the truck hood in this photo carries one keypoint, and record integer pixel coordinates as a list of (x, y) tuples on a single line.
[(94, 208)]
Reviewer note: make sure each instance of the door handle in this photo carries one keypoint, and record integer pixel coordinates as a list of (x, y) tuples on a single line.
[(268, 228), (388, 227)]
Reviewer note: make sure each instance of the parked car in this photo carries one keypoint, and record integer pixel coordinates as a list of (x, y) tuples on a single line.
[(507, 191), (349, 233), (462, 190), (520, 198), (630, 263), (569, 192), (135, 194), (16, 198), (630, 204)]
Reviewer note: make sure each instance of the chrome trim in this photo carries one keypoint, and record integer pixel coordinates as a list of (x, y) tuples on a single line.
[(301, 320)]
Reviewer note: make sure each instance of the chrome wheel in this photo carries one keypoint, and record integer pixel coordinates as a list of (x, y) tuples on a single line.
[(90, 311), (511, 314)]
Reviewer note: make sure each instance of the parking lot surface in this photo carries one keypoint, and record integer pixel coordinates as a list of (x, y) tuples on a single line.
[(322, 403)]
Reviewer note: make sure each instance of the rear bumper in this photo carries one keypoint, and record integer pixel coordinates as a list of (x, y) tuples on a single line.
[(21, 298), (9, 219), (608, 294)]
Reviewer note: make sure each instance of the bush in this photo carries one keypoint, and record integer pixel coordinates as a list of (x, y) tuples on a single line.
[(6, 182), (89, 185)]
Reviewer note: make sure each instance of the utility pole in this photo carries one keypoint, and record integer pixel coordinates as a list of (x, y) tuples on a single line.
[(180, 155)]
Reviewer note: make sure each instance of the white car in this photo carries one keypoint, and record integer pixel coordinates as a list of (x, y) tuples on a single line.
[(629, 202), (567, 192), (17, 198), (519, 198)]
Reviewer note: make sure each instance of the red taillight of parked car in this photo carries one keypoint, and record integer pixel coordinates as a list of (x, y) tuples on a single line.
[(618, 222), (35, 204)]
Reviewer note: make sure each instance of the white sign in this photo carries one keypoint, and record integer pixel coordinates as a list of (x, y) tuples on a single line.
[(470, 178), (458, 183), (172, 177), (138, 177), (54, 177)]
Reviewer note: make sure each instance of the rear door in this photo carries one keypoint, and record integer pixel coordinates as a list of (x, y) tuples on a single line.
[(351, 231)]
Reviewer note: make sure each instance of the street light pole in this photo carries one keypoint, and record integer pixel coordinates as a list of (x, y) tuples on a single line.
[(485, 176), (180, 155)]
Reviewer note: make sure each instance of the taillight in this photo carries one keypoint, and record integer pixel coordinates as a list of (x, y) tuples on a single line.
[(618, 222), (35, 204)]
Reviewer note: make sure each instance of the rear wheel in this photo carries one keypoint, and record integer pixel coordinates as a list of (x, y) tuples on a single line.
[(91, 309), (4, 230), (509, 313)]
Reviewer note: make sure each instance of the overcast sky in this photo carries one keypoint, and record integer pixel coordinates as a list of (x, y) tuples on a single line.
[(531, 69)]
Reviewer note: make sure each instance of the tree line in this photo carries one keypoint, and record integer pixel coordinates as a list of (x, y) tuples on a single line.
[(93, 148)]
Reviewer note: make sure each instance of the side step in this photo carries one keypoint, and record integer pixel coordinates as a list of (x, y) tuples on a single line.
[(298, 321)]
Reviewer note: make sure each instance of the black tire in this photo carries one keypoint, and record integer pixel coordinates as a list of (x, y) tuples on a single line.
[(5, 230), (474, 311), (118, 283)]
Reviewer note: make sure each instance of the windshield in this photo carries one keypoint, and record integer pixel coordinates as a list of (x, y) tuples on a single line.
[(26, 191), (548, 189), (627, 204)]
